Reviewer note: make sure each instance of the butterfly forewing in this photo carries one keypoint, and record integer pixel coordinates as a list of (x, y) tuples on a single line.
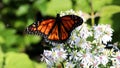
[(45, 26), (71, 21), (67, 23)]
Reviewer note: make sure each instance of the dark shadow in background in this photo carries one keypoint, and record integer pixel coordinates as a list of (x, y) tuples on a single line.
[(116, 2), (116, 26), (34, 51)]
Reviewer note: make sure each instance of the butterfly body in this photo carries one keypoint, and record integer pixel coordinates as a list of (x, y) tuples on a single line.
[(55, 29)]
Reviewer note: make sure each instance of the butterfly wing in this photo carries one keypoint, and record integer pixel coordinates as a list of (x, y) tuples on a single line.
[(45, 26), (70, 22), (64, 27), (41, 27), (56, 30)]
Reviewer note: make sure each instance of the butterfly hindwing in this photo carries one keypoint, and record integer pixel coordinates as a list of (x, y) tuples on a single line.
[(54, 35)]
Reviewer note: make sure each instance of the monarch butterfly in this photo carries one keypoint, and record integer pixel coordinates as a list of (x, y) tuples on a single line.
[(55, 29)]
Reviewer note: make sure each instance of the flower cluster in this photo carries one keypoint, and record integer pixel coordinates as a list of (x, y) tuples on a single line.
[(85, 49), (103, 33)]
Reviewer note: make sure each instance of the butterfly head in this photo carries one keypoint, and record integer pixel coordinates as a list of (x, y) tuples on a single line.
[(32, 28), (57, 16)]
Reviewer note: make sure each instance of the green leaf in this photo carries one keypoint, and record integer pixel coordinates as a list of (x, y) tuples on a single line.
[(17, 60), (40, 5), (107, 12), (23, 9), (40, 65), (1, 58), (2, 40), (55, 6), (29, 22), (31, 39), (110, 15), (8, 36), (52, 7), (98, 4), (82, 5), (19, 24), (2, 26), (116, 2), (6, 1)]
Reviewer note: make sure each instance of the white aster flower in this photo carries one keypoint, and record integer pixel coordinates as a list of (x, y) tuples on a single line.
[(99, 49), (47, 57), (50, 55), (115, 66), (75, 55), (82, 31), (80, 34), (58, 46), (61, 55), (116, 58), (103, 33), (100, 59), (86, 45), (103, 59), (96, 62), (85, 32), (106, 38), (54, 56), (86, 60), (69, 65)]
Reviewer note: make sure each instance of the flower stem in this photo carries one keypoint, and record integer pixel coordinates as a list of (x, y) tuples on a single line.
[(92, 13), (62, 64), (92, 18)]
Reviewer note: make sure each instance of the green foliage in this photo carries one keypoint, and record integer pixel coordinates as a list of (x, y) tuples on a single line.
[(107, 12), (31, 39), (82, 5), (40, 65), (2, 40), (99, 4), (6, 1), (53, 6), (23, 9), (1, 58), (62, 5), (17, 60), (7, 35), (41, 5)]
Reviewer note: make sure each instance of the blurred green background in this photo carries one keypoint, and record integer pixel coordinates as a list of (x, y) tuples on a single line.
[(19, 50)]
